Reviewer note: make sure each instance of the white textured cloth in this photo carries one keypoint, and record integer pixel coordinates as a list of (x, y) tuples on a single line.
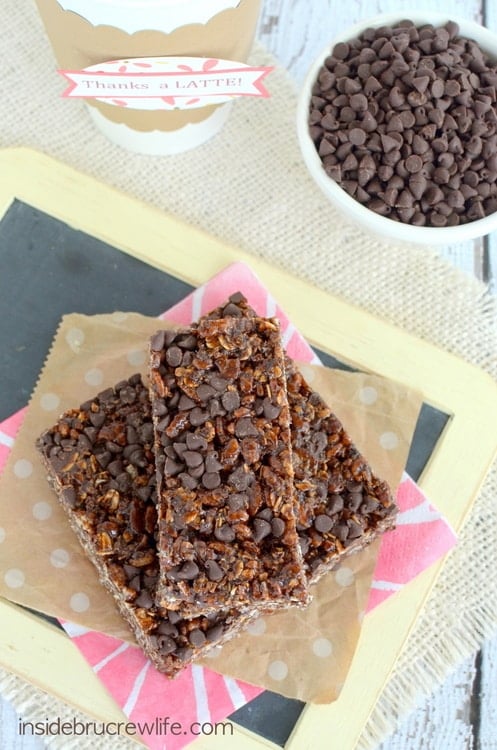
[(267, 205)]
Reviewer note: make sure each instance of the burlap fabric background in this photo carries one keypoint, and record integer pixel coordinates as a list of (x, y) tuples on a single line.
[(249, 187)]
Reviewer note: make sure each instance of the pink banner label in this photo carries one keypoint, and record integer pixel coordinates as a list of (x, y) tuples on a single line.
[(166, 82)]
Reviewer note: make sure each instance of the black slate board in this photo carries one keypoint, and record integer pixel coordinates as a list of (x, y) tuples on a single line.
[(48, 269)]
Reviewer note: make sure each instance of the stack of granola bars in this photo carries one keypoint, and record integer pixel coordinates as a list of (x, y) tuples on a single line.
[(222, 488)]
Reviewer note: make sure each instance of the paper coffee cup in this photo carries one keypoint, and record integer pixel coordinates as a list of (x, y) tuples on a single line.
[(86, 32)]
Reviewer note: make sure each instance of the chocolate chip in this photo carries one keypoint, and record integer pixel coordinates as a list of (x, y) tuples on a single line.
[(370, 505), (185, 403), (341, 531), (388, 143), (97, 418), (115, 468), (103, 458), (237, 501), (166, 644), (437, 88), (144, 493), (245, 428), (138, 458), (215, 408), (83, 443), (240, 479), (158, 340), (196, 637), (113, 447), (441, 175), (127, 395), (179, 449), (213, 570), (230, 400), (173, 617), (341, 50), (414, 163), (187, 359), (232, 310), (188, 482), (205, 392), (91, 433), (335, 504), (187, 342), (198, 417), (352, 486), (68, 496), (323, 523), (131, 435), (354, 501), (195, 442), (184, 653), (134, 582), (106, 395), (237, 298), (130, 448), (188, 571), (224, 533), (211, 463), (196, 471), (417, 185), (144, 600), (358, 102), (172, 467), (270, 410), (220, 384), (123, 481), (266, 514), (278, 527), (319, 443), (192, 458), (355, 530), (357, 136), (174, 356), (159, 408), (211, 480), (261, 530), (214, 634)]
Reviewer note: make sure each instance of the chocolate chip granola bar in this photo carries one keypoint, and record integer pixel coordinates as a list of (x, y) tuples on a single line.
[(342, 504), (227, 530), (100, 462)]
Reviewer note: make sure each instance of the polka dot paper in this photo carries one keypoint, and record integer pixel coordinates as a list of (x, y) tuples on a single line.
[(304, 654)]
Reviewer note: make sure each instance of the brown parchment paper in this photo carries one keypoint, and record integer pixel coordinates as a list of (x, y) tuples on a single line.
[(302, 654)]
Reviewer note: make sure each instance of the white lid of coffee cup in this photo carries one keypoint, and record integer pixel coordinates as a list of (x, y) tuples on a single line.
[(145, 15)]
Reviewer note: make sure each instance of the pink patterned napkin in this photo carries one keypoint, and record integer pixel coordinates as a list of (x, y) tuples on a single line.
[(173, 714), (8, 431), (422, 536), (195, 701)]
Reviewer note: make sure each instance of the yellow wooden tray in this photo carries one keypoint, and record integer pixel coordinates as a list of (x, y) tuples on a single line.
[(45, 656)]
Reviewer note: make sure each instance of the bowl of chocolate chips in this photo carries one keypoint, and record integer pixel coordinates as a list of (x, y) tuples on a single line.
[(397, 123)]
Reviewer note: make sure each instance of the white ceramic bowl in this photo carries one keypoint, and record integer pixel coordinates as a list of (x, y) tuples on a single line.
[(354, 211)]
